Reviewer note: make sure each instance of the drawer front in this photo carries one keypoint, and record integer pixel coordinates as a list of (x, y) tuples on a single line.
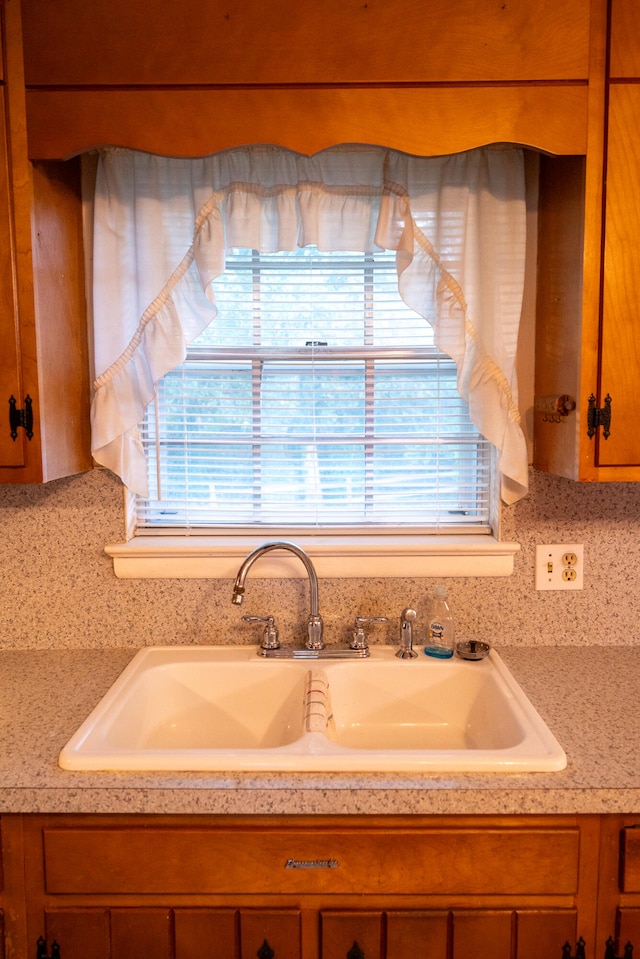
[(257, 860)]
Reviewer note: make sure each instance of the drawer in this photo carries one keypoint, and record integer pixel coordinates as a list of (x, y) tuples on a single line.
[(327, 860)]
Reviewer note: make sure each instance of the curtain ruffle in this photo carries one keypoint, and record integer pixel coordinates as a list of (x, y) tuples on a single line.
[(152, 213)]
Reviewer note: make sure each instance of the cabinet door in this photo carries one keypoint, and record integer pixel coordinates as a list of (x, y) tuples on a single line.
[(543, 932), (440, 934), (42, 308), (628, 928), (625, 28), (165, 933), (11, 451), (95, 933), (621, 305)]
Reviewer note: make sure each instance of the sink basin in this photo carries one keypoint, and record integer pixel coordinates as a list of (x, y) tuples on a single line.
[(225, 708), (456, 708)]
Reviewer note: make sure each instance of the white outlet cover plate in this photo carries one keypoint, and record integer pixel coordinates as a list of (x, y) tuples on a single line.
[(552, 555)]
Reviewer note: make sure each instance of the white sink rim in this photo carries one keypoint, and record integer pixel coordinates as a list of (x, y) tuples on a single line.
[(315, 750)]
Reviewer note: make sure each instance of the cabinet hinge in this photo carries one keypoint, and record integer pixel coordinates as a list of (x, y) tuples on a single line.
[(580, 953), (21, 419), (599, 416), (610, 952), (41, 949)]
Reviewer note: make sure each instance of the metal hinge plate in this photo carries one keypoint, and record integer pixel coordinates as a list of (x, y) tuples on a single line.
[(599, 416), (20, 419)]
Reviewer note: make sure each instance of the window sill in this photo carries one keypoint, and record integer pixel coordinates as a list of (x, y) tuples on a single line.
[(218, 557)]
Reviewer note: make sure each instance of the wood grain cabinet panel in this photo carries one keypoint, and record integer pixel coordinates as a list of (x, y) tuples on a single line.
[(199, 932), (183, 887), (84, 932), (630, 859), (625, 39), (418, 934), (482, 932), (42, 310), (487, 861), (427, 79), (627, 928), (542, 932), (133, 932), (275, 930), (621, 305), (12, 451), (619, 887), (109, 42), (344, 933), (588, 295)]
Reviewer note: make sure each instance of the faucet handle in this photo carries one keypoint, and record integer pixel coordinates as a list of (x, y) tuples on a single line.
[(269, 634), (359, 640)]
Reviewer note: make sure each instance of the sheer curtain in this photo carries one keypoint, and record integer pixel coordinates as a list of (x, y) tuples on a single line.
[(162, 225)]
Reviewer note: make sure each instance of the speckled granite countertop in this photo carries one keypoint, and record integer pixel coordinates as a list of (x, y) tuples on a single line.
[(589, 696)]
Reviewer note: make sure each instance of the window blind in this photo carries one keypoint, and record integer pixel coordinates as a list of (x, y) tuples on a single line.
[(315, 398)]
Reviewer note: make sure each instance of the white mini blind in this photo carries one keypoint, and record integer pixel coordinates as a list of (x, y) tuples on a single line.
[(315, 398)]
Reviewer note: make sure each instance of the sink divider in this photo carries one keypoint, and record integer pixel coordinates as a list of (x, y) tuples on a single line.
[(317, 705)]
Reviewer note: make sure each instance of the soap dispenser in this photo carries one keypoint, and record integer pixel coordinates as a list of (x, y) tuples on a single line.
[(440, 630)]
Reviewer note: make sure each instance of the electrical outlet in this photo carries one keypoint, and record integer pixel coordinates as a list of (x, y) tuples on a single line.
[(559, 566)]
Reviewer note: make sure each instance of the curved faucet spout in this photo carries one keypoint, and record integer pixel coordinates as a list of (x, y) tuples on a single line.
[(314, 625)]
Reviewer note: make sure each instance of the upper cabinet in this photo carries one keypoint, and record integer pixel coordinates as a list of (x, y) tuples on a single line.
[(625, 39), (44, 391), (588, 292), (427, 79)]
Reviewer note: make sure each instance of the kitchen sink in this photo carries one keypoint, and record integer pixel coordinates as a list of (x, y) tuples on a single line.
[(222, 708)]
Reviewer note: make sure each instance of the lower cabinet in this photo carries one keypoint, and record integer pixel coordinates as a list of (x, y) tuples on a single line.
[(132, 932), (619, 889), (119, 887), (272, 887), (303, 887)]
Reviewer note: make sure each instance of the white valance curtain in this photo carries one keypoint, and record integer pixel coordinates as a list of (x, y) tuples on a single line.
[(162, 225)]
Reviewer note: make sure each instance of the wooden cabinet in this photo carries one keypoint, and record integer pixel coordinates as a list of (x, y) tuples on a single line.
[(426, 79), (625, 39), (428, 83), (589, 298), (307, 887), (310, 888), (44, 366), (619, 895), (338, 41)]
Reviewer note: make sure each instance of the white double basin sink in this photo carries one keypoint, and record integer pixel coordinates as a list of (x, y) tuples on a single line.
[(224, 708)]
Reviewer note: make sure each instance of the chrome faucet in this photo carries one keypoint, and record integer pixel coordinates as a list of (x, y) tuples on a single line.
[(407, 619), (314, 624)]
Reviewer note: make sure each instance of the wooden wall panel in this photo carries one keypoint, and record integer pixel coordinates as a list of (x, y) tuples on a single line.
[(337, 41)]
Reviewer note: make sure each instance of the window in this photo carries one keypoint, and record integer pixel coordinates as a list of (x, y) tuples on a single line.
[(316, 398), (241, 394)]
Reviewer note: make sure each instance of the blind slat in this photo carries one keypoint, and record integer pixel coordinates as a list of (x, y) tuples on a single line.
[(316, 397)]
